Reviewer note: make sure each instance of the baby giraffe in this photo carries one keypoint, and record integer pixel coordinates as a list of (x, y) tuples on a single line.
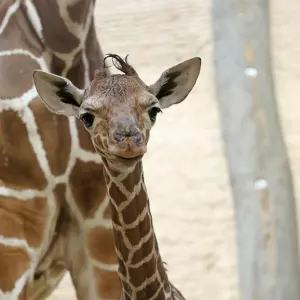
[(119, 111)]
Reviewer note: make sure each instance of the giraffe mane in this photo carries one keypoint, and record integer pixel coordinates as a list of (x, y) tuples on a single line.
[(121, 64)]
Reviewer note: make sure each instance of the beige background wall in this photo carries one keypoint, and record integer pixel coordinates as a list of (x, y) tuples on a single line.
[(185, 167)]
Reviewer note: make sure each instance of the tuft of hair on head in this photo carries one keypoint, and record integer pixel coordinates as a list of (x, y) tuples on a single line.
[(121, 64)]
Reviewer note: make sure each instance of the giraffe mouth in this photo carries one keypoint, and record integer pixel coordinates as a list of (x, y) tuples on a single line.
[(127, 154), (129, 159)]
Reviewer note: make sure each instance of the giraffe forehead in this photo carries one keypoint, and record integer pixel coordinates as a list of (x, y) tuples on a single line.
[(115, 92), (115, 85)]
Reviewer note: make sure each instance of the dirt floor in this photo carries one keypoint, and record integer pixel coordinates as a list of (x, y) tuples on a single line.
[(185, 168)]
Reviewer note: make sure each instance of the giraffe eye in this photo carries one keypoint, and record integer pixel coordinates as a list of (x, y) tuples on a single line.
[(87, 119), (153, 112)]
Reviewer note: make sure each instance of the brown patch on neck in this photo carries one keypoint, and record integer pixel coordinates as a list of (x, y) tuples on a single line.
[(4, 6), (18, 33), (57, 65), (78, 12), (93, 51), (57, 36), (134, 210), (134, 178), (76, 72), (131, 234), (150, 290)]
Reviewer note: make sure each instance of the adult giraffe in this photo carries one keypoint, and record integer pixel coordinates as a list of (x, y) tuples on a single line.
[(49, 222)]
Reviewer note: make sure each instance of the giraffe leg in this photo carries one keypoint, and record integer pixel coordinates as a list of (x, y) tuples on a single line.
[(43, 285), (49, 272), (92, 279)]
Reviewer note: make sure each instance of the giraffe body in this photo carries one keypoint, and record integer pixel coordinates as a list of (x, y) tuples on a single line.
[(54, 213), (119, 111)]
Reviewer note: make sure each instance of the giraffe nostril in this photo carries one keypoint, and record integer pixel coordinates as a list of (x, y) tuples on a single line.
[(121, 137), (118, 137), (137, 138)]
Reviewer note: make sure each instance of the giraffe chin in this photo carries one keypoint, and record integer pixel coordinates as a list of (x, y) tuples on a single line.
[(120, 163)]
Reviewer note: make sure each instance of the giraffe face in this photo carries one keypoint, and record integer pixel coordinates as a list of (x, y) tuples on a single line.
[(118, 110), (119, 113)]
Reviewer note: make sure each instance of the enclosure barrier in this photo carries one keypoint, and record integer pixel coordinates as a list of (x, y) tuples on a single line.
[(258, 164)]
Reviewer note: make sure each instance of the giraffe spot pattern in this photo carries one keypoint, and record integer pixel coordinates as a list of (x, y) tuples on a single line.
[(78, 12), (64, 214), (9, 256), (101, 245), (18, 171), (146, 251), (88, 187), (135, 208), (150, 291), (95, 58), (146, 270), (137, 246), (57, 64), (19, 34), (116, 194), (134, 234), (14, 38), (75, 72), (115, 215), (55, 135), (107, 213), (22, 75), (123, 249), (25, 220), (133, 178), (56, 33), (108, 284)]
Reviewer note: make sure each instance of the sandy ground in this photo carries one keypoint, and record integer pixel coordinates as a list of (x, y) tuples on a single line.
[(185, 168)]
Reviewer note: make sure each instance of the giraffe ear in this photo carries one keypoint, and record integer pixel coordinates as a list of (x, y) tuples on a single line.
[(58, 93), (175, 83)]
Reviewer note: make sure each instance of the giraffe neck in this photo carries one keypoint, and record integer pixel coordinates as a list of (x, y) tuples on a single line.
[(63, 27), (141, 269)]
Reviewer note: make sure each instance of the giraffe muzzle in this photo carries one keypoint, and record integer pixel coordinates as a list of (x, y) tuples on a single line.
[(121, 138), (127, 146)]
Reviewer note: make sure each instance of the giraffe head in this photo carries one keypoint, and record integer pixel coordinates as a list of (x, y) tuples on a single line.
[(118, 110)]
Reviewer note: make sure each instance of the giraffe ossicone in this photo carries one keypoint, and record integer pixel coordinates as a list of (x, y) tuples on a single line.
[(119, 111)]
